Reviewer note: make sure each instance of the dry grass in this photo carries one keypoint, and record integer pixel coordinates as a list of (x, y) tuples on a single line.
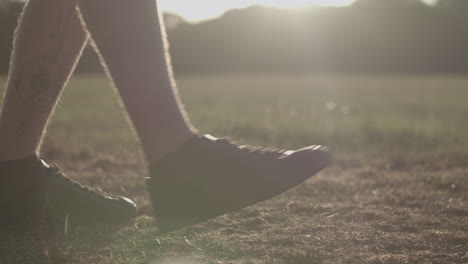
[(395, 207), (359, 215)]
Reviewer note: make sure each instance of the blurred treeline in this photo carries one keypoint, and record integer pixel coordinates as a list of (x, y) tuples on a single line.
[(382, 36)]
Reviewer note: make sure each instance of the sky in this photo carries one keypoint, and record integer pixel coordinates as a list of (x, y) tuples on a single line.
[(199, 10)]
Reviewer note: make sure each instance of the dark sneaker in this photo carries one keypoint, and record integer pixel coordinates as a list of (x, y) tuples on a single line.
[(63, 198), (22, 195), (207, 177)]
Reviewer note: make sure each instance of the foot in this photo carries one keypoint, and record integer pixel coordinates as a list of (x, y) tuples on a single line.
[(41, 190), (22, 195), (207, 177)]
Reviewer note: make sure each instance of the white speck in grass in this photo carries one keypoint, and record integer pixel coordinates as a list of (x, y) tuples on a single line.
[(268, 111), (345, 110), (293, 112), (330, 106)]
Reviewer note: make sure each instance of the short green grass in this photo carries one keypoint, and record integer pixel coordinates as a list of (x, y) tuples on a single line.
[(364, 119), (397, 192)]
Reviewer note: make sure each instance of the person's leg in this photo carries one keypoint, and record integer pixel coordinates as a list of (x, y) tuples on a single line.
[(193, 178), (130, 37), (47, 45)]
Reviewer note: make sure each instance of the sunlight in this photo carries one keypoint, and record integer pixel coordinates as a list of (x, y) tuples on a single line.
[(303, 3), (194, 11), (430, 2)]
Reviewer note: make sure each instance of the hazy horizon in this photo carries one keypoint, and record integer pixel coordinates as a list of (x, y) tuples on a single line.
[(196, 11)]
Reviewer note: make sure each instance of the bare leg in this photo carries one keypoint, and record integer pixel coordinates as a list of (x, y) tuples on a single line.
[(131, 38), (192, 178), (48, 43)]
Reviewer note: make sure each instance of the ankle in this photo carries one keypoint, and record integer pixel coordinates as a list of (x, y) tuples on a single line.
[(20, 161), (7, 156), (163, 146)]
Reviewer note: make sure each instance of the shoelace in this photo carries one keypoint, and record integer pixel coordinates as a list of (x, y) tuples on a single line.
[(262, 151)]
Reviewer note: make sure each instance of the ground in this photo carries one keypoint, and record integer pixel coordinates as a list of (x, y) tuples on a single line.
[(396, 193)]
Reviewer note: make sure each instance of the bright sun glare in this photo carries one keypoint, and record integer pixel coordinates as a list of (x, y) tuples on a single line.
[(206, 9)]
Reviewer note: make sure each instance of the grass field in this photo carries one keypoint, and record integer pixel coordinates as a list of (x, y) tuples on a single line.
[(397, 192)]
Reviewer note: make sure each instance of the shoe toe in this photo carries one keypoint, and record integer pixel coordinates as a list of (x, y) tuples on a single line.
[(310, 159), (128, 208)]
